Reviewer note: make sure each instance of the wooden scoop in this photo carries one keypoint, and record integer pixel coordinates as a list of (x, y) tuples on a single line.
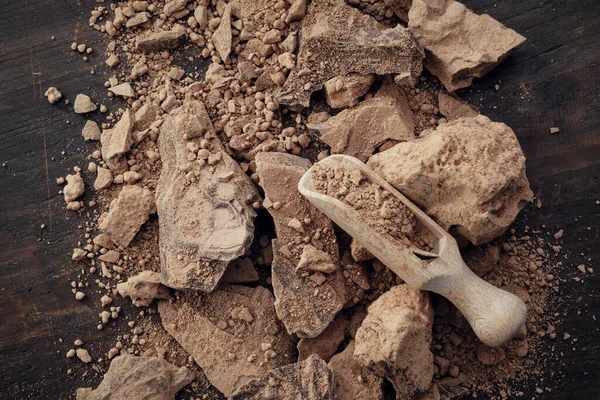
[(495, 315)]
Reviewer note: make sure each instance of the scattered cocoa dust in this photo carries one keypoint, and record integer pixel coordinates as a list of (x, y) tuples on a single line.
[(526, 265)]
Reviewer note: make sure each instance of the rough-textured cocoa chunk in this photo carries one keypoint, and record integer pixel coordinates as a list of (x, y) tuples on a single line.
[(232, 333), (399, 7), (131, 377), (91, 131), (352, 381), (460, 45), (127, 214), (394, 339), (204, 202), (222, 36), (452, 107), (325, 345), (345, 91), (337, 40), (163, 40), (475, 162), (359, 130), (309, 379), (144, 288), (117, 141), (306, 301)]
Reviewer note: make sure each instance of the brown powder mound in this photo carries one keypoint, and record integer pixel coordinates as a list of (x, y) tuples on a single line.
[(232, 333), (307, 300), (376, 206), (309, 379), (359, 131), (460, 45), (468, 175), (333, 34), (394, 339), (204, 202), (132, 377)]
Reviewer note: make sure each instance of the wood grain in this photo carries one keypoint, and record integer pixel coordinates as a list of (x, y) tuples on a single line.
[(552, 80)]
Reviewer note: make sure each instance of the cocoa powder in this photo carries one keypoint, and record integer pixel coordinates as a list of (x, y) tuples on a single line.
[(375, 206)]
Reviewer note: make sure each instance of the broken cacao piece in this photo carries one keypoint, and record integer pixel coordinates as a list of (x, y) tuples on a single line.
[(163, 40), (74, 187), (144, 288), (460, 45), (83, 104), (306, 303), (127, 213), (345, 91), (387, 116), (205, 221), (352, 381), (333, 33), (399, 7), (393, 340), (309, 379), (91, 131), (474, 161), (131, 377), (116, 142), (222, 37), (325, 345), (53, 95), (232, 333), (452, 107)]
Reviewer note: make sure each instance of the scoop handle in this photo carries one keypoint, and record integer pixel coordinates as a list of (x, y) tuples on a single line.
[(494, 314)]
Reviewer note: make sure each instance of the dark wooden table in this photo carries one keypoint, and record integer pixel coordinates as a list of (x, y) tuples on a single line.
[(553, 80)]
